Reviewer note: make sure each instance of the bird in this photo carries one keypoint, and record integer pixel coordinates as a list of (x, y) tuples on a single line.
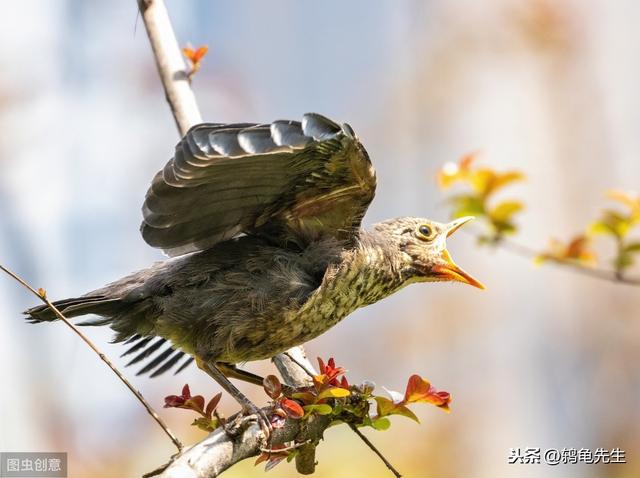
[(262, 226)]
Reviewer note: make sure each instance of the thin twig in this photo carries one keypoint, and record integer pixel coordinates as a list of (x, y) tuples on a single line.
[(286, 448), (306, 369), (41, 294), (530, 253), (375, 450), (603, 274)]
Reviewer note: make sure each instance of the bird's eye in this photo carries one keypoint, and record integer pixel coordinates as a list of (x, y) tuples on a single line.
[(425, 232)]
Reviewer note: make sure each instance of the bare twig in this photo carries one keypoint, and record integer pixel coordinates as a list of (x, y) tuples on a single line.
[(375, 450), (286, 448), (41, 294)]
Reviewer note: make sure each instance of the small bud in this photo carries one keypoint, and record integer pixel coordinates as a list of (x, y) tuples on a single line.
[(367, 387)]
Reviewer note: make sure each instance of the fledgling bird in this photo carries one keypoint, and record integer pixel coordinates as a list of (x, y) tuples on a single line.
[(264, 221)]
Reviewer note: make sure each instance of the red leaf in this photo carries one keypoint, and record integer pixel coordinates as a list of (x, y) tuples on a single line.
[(213, 403), (173, 401), (272, 457), (321, 366), (186, 393), (292, 408), (420, 390), (195, 403), (416, 388), (330, 371), (272, 386)]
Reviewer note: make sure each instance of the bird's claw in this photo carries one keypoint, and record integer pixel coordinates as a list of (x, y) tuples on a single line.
[(261, 417), (250, 413)]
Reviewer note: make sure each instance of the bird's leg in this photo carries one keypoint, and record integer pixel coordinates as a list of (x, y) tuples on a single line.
[(232, 371), (248, 407)]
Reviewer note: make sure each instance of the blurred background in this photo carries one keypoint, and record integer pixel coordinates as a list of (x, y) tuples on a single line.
[(543, 358)]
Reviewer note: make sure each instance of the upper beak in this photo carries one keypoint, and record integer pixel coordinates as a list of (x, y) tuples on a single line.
[(448, 269), (453, 226)]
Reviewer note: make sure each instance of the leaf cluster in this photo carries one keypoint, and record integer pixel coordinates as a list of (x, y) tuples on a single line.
[(481, 184), (330, 394), (208, 421)]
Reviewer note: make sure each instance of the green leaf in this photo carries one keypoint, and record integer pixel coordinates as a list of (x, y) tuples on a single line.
[(467, 205), (334, 392), (612, 223), (381, 424), (320, 409), (623, 261), (292, 454), (206, 424)]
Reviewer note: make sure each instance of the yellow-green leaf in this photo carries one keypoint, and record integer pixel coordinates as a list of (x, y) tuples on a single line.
[(334, 392), (320, 409), (386, 407), (505, 210), (381, 424)]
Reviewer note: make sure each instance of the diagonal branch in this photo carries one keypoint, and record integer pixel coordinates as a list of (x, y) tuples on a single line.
[(42, 295), (171, 67)]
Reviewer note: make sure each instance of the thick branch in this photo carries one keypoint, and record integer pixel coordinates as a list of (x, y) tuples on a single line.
[(217, 452)]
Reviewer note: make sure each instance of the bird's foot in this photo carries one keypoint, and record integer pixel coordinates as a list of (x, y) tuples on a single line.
[(250, 413), (251, 410)]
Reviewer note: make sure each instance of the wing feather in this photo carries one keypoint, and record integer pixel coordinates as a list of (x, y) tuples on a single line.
[(291, 181)]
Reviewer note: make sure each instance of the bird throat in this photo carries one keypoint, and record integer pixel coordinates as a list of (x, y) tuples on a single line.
[(366, 274)]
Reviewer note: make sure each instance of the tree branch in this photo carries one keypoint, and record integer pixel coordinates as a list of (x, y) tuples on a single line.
[(42, 295), (395, 472), (602, 274), (213, 455), (171, 66)]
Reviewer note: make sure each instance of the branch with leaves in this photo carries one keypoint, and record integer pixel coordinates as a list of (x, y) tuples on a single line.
[(299, 416), (476, 196)]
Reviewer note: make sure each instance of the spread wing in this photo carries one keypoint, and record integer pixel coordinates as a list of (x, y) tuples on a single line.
[(290, 181)]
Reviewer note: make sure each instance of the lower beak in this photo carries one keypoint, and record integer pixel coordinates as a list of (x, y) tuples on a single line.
[(449, 270)]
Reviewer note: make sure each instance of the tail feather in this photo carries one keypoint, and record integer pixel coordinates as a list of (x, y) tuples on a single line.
[(130, 319), (99, 305)]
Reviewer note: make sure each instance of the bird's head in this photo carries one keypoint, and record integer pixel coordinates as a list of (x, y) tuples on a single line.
[(423, 251)]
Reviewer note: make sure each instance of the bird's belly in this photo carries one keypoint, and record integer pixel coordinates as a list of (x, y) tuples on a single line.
[(273, 334)]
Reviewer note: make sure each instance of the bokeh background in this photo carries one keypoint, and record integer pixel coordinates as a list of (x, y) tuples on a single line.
[(544, 357)]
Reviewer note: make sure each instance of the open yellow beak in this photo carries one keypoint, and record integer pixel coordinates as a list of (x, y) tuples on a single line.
[(449, 270)]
